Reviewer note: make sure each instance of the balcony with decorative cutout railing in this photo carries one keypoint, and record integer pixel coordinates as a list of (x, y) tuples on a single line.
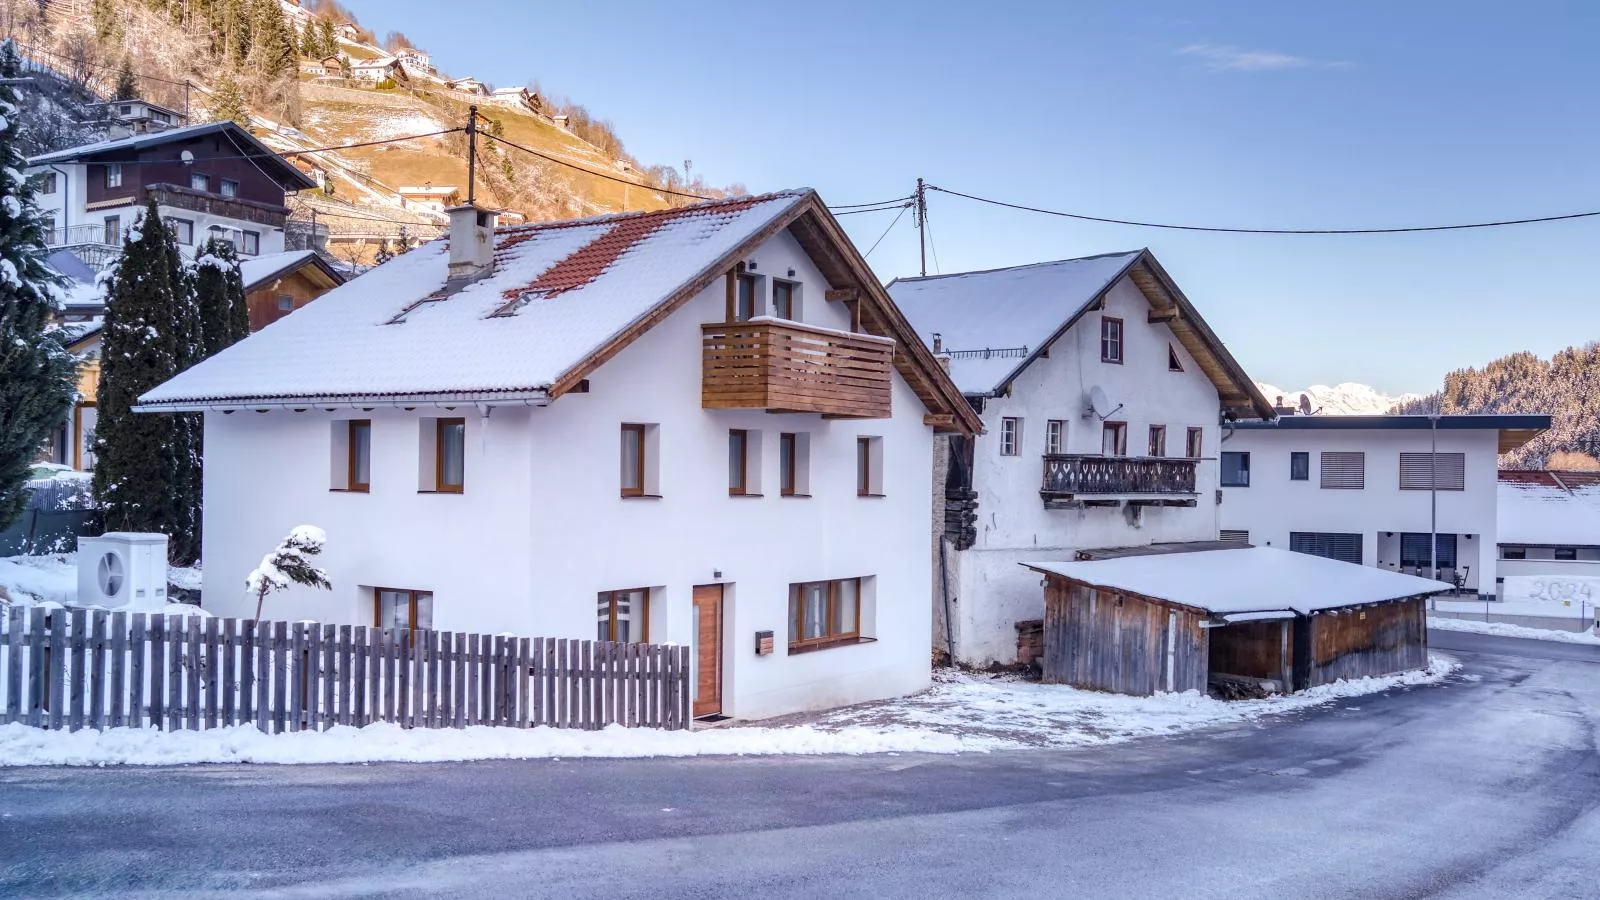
[(1073, 477)]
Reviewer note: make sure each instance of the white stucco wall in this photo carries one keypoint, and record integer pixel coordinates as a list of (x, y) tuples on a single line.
[(1273, 505), (1013, 526), (541, 529)]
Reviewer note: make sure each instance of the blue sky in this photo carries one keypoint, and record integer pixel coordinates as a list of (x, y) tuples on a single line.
[(1273, 114)]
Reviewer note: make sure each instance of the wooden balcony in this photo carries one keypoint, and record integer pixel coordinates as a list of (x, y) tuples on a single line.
[(1072, 480), (787, 367)]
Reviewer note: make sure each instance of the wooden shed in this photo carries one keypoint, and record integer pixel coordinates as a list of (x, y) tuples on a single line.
[(1141, 624)]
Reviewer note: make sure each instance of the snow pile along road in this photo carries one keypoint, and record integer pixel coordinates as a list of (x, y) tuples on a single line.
[(1501, 629), (960, 714)]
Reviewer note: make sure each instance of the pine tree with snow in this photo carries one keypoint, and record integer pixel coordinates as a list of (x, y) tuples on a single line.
[(36, 372), (289, 563), (127, 83), (227, 101), (136, 471), (219, 293)]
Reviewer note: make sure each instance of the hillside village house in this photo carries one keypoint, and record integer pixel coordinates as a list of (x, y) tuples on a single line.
[(706, 425), (384, 68), (428, 197), (1100, 389), (518, 98), (468, 86), (1362, 489)]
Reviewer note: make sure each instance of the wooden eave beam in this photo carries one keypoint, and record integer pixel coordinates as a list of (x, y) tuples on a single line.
[(1158, 316)]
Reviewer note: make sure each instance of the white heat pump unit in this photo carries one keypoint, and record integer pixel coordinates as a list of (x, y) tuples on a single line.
[(123, 568)]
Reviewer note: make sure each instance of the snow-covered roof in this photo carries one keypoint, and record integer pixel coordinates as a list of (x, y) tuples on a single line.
[(1246, 580), (349, 344), (1561, 510), (289, 176), (1014, 310), (257, 269)]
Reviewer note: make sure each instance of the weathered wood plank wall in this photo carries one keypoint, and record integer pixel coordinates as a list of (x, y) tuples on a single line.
[(1109, 641), (75, 669), (1376, 640)]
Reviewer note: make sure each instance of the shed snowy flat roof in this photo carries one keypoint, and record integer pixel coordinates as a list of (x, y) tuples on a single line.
[(1515, 430), (1564, 512), (1248, 579)]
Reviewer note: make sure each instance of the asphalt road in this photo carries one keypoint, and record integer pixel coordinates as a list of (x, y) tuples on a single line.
[(1486, 786)]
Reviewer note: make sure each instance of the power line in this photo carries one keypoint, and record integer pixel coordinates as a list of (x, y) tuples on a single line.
[(887, 204), (273, 153), (886, 231), (1222, 230), (852, 212), (927, 228), (606, 176)]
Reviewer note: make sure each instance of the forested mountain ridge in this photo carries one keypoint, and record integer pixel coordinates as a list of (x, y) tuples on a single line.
[(1566, 386)]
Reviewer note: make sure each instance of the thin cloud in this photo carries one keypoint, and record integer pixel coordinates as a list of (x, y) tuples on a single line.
[(1219, 57)]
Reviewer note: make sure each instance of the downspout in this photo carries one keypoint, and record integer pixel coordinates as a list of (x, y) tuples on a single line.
[(66, 202), (1433, 493), (944, 589)]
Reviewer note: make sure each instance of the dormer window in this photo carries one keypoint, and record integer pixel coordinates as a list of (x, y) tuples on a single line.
[(1111, 340)]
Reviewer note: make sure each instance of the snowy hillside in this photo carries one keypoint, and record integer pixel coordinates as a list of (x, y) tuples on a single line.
[(1347, 399)]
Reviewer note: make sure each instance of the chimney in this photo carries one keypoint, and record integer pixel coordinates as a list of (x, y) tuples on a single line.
[(471, 244), (938, 342)]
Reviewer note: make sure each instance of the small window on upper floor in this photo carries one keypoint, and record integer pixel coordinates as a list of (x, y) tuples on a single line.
[(1344, 470), (230, 188), (451, 459), (743, 291), (1235, 469), (1194, 443), (182, 229), (44, 182), (351, 468), (1055, 436), (1174, 364), (785, 300), (1158, 440), (250, 243), (113, 175), (640, 476), (794, 464), (1114, 439), (744, 463), (869, 467), (199, 181), (1110, 340), (1010, 436), (1299, 466)]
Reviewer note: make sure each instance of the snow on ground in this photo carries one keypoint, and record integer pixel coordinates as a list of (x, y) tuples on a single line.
[(1577, 610), (53, 578), (401, 124), (1502, 629), (959, 714)]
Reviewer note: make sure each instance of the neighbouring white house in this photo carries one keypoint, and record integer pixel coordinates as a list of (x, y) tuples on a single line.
[(1100, 389), (518, 98), (415, 58), (429, 197), (1549, 535), (707, 425), (384, 68), (468, 86), (1362, 489)]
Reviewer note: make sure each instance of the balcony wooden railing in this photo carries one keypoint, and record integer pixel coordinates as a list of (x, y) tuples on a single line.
[(1074, 475), (226, 207), (782, 366)]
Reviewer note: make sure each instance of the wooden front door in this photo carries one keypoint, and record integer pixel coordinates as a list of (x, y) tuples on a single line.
[(708, 650)]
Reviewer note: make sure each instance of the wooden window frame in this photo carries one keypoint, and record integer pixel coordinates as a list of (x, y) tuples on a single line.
[(1013, 424), (199, 181), (611, 615), (173, 222), (734, 280), (439, 426), (1174, 361), (113, 229), (742, 489), (639, 490), (224, 188), (113, 175), (1194, 442), (832, 639), (351, 483), (1106, 342), (1055, 436), (377, 605), (1158, 441), (789, 474), (1121, 443), (793, 288), (250, 243), (863, 467)]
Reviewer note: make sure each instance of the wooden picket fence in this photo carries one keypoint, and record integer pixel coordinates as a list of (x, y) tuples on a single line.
[(75, 668)]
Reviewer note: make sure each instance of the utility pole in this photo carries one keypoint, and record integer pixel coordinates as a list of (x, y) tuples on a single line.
[(472, 154), (1433, 493), (921, 214)]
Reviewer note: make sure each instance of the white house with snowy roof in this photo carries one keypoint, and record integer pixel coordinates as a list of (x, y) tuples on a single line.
[(1101, 390), (706, 425), (1548, 536)]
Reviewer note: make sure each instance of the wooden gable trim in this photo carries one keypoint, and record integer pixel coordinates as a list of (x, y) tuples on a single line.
[(721, 268), (1095, 304)]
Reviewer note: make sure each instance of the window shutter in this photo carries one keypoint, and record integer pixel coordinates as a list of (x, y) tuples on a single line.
[(1414, 471), (1235, 536), (1344, 470), (1331, 545)]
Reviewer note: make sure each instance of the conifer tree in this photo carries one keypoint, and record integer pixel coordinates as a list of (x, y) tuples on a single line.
[(36, 372), (219, 294), (328, 39), (106, 21), (227, 102), (136, 471), (127, 83), (188, 428)]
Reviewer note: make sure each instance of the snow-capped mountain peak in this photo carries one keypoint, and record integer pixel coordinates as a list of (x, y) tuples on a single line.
[(1347, 399)]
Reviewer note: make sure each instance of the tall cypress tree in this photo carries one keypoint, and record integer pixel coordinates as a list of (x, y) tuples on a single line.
[(219, 294), (36, 372), (188, 428), (136, 470)]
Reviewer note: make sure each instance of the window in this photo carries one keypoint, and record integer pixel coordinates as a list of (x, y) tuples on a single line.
[(360, 456), (450, 461), (1055, 436), (1514, 553), (402, 609), (161, 117), (1193, 443), (1234, 536), (1299, 466), (633, 460), (1416, 471), (113, 233), (199, 181), (623, 616), (794, 458), (1114, 439), (869, 467), (1158, 440), (822, 613), (742, 298), (113, 175), (252, 243), (183, 229), (1345, 547), (1174, 364), (1344, 470), (230, 188), (784, 295), (738, 462), (1414, 551), (1235, 469), (1567, 554), (1010, 436), (44, 183), (1110, 340), (285, 303)]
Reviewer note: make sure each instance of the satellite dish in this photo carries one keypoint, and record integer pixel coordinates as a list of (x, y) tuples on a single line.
[(1305, 404), (1099, 404), (187, 156)]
